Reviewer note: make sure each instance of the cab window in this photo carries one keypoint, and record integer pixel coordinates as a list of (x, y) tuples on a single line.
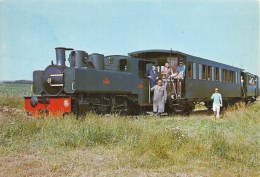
[(123, 65), (143, 67)]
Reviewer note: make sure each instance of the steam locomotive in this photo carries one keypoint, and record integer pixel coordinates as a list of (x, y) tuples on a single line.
[(117, 83)]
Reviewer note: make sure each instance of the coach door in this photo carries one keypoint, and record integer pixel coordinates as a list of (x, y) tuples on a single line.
[(147, 83), (173, 62), (145, 96), (250, 81), (178, 88), (243, 84)]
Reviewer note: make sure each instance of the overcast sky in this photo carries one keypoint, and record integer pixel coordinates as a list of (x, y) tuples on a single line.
[(225, 31)]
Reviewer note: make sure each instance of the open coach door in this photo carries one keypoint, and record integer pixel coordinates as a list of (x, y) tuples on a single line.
[(160, 57), (145, 66)]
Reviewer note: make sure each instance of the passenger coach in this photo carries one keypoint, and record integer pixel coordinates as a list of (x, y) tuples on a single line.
[(201, 77)]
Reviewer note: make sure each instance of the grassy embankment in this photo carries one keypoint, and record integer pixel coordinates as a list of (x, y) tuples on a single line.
[(125, 146)]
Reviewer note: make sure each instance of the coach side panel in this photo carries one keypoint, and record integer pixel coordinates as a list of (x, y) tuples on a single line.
[(203, 77)]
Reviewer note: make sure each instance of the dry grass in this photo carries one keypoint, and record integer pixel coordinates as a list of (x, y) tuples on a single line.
[(197, 145)]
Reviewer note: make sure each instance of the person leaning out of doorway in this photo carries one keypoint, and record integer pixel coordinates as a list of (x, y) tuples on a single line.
[(152, 75), (166, 74), (179, 78)]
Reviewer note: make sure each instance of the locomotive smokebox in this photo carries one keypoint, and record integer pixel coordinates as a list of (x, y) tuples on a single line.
[(60, 56)]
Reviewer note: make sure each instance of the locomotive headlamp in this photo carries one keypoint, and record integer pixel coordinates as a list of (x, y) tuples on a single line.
[(34, 101)]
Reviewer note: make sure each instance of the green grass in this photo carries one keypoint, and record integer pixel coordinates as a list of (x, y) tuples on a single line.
[(195, 145), (13, 89), (11, 94)]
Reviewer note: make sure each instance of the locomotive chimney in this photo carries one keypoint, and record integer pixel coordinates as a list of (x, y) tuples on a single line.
[(60, 56)]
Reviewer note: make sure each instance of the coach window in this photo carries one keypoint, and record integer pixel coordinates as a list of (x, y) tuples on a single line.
[(123, 65), (200, 71), (194, 67), (223, 75), (189, 70), (220, 74), (209, 73), (251, 80), (204, 72), (227, 75), (231, 76), (216, 74)]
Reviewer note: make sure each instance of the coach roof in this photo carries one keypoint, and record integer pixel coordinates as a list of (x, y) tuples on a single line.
[(158, 53), (153, 53)]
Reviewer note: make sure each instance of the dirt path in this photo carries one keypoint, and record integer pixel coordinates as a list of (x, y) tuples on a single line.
[(7, 113)]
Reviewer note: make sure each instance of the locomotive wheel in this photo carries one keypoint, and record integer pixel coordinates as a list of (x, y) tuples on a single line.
[(123, 105), (101, 110)]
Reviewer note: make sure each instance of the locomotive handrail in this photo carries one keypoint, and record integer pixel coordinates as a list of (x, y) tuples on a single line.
[(58, 75), (149, 93), (56, 85)]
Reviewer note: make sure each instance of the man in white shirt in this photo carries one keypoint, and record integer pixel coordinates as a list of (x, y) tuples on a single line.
[(217, 102)]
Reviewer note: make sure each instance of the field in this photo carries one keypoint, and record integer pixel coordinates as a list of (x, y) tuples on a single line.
[(181, 146), (12, 94)]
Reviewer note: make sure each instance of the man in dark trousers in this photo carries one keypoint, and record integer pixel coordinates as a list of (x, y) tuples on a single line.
[(152, 75)]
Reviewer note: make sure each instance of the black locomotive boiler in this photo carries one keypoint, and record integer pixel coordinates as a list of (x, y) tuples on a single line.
[(117, 83)]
